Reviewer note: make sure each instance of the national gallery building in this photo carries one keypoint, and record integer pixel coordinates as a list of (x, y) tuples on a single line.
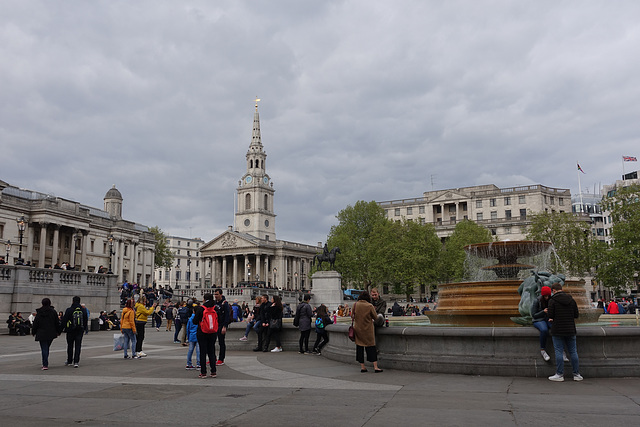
[(45, 231)]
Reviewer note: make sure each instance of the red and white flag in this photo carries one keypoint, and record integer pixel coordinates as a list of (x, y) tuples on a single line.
[(629, 159)]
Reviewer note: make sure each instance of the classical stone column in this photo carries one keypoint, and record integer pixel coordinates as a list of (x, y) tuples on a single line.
[(120, 257), (85, 249), (235, 271), (224, 272), (134, 261), (28, 256), (266, 275), (54, 249), (43, 244)]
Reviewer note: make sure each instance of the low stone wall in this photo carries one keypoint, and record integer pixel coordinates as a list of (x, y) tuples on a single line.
[(603, 351), (22, 289)]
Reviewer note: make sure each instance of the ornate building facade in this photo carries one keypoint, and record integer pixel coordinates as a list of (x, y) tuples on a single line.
[(249, 252), (58, 231)]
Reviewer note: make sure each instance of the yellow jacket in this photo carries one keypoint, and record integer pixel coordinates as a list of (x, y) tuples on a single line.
[(142, 312), (127, 321)]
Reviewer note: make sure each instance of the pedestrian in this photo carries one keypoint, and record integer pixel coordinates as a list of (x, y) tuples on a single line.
[(76, 323), (224, 318), (206, 318), (252, 320), (157, 317), (142, 316), (170, 313), (192, 333), (563, 311), (363, 315), (46, 328), (128, 329), (275, 324), (263, 322), (539, 312), (322, 321), (380, 305), (302, 320)]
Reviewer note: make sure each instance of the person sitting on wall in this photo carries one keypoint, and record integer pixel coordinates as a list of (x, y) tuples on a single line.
[(114, 322), (539, 310)]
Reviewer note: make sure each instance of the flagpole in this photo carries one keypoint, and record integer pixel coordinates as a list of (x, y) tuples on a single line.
[(622, 167), (580, 189)]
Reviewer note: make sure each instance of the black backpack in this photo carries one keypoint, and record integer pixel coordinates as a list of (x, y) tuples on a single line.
[(77, 319)]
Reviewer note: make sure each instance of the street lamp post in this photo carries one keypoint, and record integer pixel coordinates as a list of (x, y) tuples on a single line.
[(8, 248), (22, 224), (177, 275), (295, 284), (111, 252), (275, 283), (249, 273)]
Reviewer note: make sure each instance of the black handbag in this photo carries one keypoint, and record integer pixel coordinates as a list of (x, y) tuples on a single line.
[(275, 324)]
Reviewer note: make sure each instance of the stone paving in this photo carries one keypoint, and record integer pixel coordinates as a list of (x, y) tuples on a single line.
[(282, 389)]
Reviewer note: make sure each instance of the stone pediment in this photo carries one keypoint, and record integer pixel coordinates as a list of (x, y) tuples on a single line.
[(229, 240), (449, 197)]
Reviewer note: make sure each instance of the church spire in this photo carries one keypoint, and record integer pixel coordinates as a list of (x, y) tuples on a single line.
[(256, 139)]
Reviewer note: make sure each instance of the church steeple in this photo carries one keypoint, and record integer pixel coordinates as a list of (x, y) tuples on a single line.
[(254, 213)]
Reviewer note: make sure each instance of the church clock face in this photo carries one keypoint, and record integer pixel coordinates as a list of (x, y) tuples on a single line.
[(265, 180), (248, 179)]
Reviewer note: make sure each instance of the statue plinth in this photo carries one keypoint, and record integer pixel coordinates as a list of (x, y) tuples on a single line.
[(327, 289)]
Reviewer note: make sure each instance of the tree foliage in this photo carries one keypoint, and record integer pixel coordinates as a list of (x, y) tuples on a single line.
[(355, 226), (163, 256), (404, 254), (621, 262), (453, 254), (572, 239)]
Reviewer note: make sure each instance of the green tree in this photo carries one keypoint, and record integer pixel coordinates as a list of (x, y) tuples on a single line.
[(404, 254), (571, 238), (453, 254), (355, 226), (163, 256), (621, 262)]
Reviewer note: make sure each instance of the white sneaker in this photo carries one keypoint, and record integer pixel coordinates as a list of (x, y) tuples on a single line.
[(577, 377), (276, 350), (141, 354), (557, 377), (243, 339), (545, 356)]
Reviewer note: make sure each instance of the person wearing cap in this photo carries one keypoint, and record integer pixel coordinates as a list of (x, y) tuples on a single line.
[(539, 312)]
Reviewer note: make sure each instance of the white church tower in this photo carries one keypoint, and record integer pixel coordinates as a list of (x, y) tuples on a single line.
[(254, 210)]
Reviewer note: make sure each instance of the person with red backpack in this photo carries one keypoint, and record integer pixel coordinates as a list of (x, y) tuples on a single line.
[(206, 317)]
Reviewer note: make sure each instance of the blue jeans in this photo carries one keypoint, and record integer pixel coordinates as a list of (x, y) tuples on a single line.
[(44, 348), (192, 345), (558, 345), (129, 337), (543, 326), (178, 324), (250, 325)]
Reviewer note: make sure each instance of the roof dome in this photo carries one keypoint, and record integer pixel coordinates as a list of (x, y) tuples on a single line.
[(113, 193)]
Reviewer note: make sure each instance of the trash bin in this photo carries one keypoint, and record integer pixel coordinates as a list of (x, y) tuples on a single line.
[(95, 324)]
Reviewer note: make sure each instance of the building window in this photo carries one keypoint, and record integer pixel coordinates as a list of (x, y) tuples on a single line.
[(178, 262), (452, 208), (266, 202), (507, 230), (177, 274), (478, 203), (247, 201), (507, 214), (421, 220), (493, 231), (92, 244), (507, 201), (159, 277), (492, 202), (438, 209), (544, 198), (188, 244), (522, 199), (552, 200), (178, 252), (178, 242), (409, 211), (397, 212), (523, 214), (479, 216), (421, 209), (560, 201), (494, 215)]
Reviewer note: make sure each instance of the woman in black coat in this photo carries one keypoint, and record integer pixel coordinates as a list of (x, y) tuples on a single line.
[(46, 328)]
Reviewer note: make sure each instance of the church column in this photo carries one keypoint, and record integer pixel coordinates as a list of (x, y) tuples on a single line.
[(74, 248), (214, 270), (120, 257), (43, 244), (266, 275), (54, 249), (224, 272), (235, 271), (84, 249)]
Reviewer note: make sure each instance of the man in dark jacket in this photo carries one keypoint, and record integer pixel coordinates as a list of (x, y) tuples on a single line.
[(562, 312), (380, 305), (75, 328), (224, 318)]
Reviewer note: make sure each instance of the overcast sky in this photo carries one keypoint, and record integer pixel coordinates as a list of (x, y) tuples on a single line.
[(361, 100)]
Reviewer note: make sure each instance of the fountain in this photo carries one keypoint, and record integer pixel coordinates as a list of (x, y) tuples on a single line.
[(494, 300)]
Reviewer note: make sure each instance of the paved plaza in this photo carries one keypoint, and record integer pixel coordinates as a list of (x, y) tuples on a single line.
[(282, 389)]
